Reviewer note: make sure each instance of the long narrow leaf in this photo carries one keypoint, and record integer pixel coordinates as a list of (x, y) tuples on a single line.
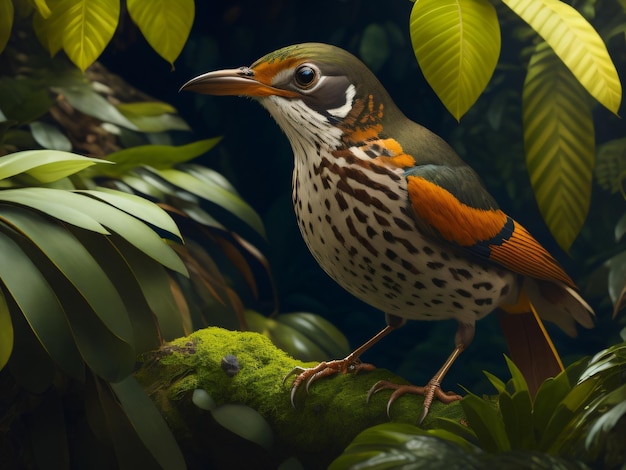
[(6, 22), (216, 195), (156, 156), (75, 263), (44, 165), (38, 303), (105, 251), (137, 207), (91, 214), (6, 332), (45, 201), (149, 424), (154, 283)]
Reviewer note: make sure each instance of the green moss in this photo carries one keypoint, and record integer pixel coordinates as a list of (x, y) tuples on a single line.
[(328, 418)]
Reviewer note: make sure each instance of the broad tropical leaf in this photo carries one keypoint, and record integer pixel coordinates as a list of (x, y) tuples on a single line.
[(576, 43), (457, 45), (6, 22), (399, 445), (88, 26), (560, 144), (165, 24)]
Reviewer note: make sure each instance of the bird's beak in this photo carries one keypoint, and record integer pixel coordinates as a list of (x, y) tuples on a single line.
[(241, 81)]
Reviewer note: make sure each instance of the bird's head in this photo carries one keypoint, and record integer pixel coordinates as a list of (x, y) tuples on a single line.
[(316, 92)]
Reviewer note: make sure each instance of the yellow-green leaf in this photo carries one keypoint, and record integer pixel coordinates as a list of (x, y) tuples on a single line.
[(88, 26), (42, 8), (560, 144), (457, 44), (45, 165), (156, 156), (6, 22), (164, 23), (576, 43), (146, 108), (6, 332), (49, 29)]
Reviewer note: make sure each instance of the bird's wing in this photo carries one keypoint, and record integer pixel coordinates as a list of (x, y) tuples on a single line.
[(450, 203)]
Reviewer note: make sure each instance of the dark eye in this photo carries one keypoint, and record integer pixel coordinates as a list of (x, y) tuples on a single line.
[(306, 76)]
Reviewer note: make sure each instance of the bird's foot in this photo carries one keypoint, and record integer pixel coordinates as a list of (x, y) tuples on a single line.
[(323, 369), (430, 392)]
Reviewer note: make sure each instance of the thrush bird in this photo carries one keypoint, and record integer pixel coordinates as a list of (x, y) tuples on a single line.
[(393, 215)]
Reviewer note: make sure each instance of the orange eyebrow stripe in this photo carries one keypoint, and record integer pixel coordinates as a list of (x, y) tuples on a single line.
[(265, 72), (455, 221)]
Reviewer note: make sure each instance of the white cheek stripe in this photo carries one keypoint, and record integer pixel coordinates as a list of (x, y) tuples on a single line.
[(343, 110)]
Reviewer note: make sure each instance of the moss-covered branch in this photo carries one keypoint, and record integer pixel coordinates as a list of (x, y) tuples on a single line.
[(317, 431)]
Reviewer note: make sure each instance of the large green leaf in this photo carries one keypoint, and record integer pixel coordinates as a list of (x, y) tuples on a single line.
[(45, 166), (155, 285), (560, 144), (137, 207), (45, 200), (576, 43), (153, 116), (75, 263), (85, 99), (164, 23), (88, 26), (156, 156), (49, 136), (91, 214), (399, 445), (38, 303), (6, 332), (149, 424), (457, 44), (214, 194), (6, 22)]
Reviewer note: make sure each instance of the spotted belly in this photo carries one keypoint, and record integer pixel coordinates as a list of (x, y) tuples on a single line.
[(366, 239)]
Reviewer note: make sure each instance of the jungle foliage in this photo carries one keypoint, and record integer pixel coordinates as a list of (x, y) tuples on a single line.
[(112, 242)]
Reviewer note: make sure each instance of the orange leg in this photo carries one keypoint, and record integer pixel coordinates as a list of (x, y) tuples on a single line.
[(432, 390), (351, 363)]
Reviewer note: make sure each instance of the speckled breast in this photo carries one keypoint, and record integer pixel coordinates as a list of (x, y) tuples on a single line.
[(359, 226)]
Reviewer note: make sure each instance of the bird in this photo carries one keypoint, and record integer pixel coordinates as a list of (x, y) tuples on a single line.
[(393, 215)]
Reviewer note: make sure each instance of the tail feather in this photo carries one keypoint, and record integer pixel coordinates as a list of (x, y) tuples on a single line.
[(530, 346), (560, 304)]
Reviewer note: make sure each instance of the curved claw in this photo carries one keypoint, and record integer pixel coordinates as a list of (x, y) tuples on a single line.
[(430, 392), (294, 389), (294, 371)]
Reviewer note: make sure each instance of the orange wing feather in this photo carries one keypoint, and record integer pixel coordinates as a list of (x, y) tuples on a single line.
[(489, 234)]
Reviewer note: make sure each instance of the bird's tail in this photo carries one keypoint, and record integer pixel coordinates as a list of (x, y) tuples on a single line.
[(530, 345)]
